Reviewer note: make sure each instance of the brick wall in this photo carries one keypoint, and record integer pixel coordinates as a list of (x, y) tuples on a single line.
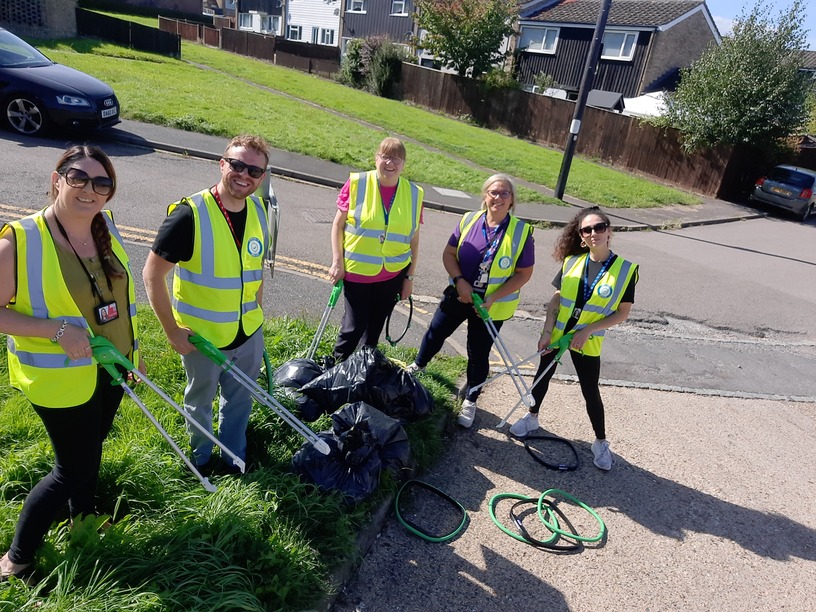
[(39, 18)]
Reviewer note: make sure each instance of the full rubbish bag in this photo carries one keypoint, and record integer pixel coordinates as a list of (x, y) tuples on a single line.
[(364, 442), (291, 376), (369, 376)]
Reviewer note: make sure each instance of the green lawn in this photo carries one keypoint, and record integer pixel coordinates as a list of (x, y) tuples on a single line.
[(299, 112)]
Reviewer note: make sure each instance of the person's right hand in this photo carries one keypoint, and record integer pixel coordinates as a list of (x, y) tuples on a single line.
[(336, 272), (180, 340), (465, 291), (544, 343)]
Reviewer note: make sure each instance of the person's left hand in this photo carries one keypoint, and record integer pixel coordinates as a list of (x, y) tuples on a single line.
[(488, 302), (579, 339), (407, 289)]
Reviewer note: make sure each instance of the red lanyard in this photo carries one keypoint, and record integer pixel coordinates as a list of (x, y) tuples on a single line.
[(226, 215)]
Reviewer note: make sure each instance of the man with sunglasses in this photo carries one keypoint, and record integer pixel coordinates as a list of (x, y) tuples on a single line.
[(215, 241)]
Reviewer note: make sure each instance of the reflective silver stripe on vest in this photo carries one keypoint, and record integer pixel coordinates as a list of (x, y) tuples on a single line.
[(372, 259), (363, 232), (45, 360), (34, 262), (515, 245), (249, 307), (251, 276), (610, 306), (203, 313), (208, 281), (362, 181)]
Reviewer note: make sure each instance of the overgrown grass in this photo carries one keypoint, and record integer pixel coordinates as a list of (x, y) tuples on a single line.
[(264, 541), (165, 91)]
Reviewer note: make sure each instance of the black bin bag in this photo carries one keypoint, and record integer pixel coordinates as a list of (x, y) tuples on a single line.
[(369, 376), (363, 443), (291, 376)]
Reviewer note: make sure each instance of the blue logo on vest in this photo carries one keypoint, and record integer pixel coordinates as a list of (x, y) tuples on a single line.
[(255, 247), (605, 291), (504, 262)]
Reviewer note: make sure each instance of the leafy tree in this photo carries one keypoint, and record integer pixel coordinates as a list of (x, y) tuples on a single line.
[(810, 128), (466, 35), (748, 90)]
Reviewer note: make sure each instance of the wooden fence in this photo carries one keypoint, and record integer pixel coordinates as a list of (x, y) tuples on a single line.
[(132, 35)]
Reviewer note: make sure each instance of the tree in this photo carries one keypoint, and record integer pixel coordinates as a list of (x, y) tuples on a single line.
[(749, 89), (466, 35)]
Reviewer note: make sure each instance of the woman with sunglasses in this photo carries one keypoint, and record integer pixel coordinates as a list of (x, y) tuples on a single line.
[(375, 245), (594, 290), (64, 277), (491, 253)]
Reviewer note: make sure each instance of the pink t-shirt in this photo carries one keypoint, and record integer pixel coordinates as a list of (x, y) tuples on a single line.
[(387, 196)]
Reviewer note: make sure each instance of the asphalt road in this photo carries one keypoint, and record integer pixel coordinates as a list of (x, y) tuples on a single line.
[(724, 309)]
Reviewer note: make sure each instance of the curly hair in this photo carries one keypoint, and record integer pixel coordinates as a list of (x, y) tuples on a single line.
[(251, 142), (570, 242)]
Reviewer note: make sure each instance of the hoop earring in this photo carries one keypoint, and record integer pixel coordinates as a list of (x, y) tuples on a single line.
[(583, 244)]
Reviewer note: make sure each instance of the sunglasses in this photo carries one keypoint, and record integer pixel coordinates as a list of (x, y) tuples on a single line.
[(499, 194), (598, 228), (238, 166), (102, 185)]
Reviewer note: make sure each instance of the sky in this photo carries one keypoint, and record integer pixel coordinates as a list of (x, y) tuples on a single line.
[(725, 11)]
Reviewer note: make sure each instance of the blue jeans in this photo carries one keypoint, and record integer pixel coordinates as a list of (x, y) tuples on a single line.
[(235, 403), (450, 314)]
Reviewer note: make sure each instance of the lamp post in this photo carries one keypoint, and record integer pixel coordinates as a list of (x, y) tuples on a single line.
[(583, 92)]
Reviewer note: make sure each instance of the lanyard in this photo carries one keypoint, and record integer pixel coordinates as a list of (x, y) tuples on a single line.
[(589, 288), (387, 211), (226, 215), (94, 286), (498, 234)]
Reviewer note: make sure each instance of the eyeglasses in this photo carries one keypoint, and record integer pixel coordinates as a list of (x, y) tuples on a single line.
[(598, 228), (499, 194), (238, 166), (103, 185), (390, 160)]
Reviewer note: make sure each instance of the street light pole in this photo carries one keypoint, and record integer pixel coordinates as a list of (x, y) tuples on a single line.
[(580, 103)]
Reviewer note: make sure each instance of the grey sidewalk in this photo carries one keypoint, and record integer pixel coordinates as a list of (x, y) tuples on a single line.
[(321, 172)]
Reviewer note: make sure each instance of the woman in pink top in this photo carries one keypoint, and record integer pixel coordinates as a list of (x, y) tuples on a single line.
[(375, 244)]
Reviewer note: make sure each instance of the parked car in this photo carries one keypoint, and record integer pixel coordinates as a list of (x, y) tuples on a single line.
[(36, 93), (787, 187)]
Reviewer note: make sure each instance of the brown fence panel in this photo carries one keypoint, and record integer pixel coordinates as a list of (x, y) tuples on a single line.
[(325, 67), (211, 37), (134, 35), (293, 47), (288, 60), (234, 40), (168, 25), (261, 46), (190, 31)]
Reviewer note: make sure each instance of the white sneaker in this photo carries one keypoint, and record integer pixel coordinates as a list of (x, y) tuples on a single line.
[(468, 413), (526, 424), (414, 369), (602, 454)]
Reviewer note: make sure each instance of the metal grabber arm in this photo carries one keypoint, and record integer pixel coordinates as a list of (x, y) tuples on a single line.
[(335, 295), (208, 349), (108, 357)]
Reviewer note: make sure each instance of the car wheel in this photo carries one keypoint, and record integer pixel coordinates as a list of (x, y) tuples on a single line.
[(25, 115), (806, 213)]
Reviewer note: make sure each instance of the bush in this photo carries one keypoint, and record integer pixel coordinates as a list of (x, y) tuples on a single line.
[(544, 81), (498, 78), (374, 64), (352, 69)]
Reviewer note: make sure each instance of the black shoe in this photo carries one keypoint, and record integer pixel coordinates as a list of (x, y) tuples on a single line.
[(226, 469), (207, 469)]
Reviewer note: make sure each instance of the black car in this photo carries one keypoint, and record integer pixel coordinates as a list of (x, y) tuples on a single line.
[(36, 93)]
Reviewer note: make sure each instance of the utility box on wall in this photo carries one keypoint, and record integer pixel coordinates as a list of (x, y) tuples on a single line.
[(39, 18)]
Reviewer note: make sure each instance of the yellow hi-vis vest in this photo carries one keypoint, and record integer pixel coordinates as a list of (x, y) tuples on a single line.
[(37, 366), (368, 244), (605, 298), (217, 290), (504, 263)]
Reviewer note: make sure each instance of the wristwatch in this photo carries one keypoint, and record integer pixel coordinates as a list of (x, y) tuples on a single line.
[(409, 277), (456, 279)]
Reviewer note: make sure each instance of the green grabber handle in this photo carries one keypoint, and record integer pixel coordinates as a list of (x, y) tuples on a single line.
[(208, 349), (478, 302), (335, 294), (108, 357), (562, 344)]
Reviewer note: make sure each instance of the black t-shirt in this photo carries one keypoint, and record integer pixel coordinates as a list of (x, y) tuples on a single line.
[(176, 237)]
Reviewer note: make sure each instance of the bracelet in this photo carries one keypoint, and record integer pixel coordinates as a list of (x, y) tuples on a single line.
[(60, 331), (409, 277), (457, 278)]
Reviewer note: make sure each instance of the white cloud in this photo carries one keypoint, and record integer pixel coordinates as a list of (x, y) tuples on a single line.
[(724, 24)]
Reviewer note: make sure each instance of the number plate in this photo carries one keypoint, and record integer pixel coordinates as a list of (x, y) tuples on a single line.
[(109, 112), (780, 191)]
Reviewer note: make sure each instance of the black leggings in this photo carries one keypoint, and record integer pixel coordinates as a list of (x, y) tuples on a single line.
[(76, 435), (588, 370)]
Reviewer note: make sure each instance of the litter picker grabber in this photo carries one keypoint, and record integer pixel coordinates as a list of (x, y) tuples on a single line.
[(108, 357), (506, 371), (515, 375), (208, 349), (562, 345), (335, 295)]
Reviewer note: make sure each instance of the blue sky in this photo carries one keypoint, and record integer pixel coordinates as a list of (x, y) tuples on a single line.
[(725, 11)]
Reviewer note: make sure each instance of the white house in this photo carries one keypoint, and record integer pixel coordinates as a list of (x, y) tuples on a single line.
[(315, 21)]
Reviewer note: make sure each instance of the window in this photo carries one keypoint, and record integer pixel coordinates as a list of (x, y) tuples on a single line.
[(398, 7), (322, 36), (539, 40), (356, 6), (619, 45), (270, 23), (244, 21), (314, 35), (294, 32)]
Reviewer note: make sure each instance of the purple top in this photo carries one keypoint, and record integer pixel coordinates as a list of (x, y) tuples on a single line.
[(474, 246)]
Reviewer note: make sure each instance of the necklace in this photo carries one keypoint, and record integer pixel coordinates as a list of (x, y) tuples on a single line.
[(67, 235)]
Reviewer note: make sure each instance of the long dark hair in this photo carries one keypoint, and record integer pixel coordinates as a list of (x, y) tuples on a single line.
[(99, 226), (570, 243)]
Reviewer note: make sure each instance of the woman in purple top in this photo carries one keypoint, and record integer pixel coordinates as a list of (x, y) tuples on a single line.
[(491, 253)]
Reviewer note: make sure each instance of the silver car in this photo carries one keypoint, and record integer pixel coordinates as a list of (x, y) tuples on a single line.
[(787, 187)]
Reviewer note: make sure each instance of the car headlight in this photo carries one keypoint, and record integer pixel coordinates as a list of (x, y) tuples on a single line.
[(69, 100)]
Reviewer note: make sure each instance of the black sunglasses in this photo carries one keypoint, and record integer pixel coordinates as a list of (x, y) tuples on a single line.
[(238, 166), (599, 228), (102, 185)]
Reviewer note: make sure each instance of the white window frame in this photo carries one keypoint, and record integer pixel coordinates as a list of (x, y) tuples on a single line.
[(326, 37), (620, 54), (543, 31), (289, 30), (273, 21), (398, 3), (361, 6), (245, 21)]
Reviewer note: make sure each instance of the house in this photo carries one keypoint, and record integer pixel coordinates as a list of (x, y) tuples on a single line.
[(807, 63), (392, 19), (264, 16), (315, 21), (645, 44)]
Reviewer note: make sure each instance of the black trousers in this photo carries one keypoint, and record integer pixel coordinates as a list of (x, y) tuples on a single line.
[(588, 370), (450, 314), (367, 307), (76, 435)]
